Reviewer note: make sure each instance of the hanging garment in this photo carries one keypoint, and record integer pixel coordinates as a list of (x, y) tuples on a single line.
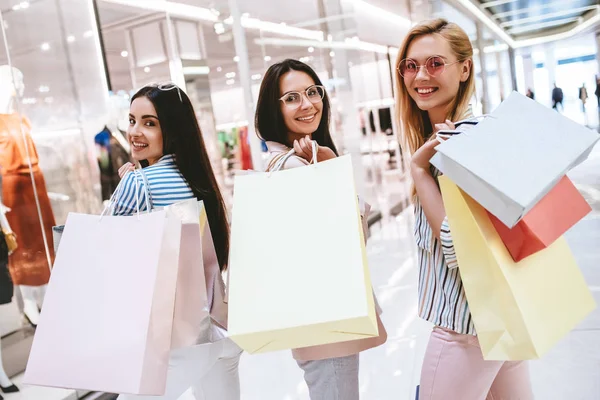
[(28, 265)]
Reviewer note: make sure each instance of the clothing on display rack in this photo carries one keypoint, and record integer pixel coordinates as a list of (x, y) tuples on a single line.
[(385, 121), (28, 265)]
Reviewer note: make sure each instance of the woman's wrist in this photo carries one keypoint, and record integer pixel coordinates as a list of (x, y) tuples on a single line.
[(418, 171)]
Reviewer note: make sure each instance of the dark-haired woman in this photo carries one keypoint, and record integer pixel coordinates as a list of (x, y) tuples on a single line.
[(292, 111), (165, 138)]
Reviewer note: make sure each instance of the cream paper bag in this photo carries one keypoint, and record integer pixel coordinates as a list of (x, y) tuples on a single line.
[(298, 266)]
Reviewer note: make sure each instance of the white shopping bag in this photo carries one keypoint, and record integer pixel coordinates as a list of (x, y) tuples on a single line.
[(108, 311), (514, 157)]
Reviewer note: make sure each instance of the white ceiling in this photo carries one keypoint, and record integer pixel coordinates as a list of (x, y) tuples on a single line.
[(221, 50)]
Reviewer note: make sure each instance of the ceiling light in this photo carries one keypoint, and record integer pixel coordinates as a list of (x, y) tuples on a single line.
[(267, 58), (272, 27), (49, 100), (311, 49), (43, 89), (200, 70), (332, 54), (70, 38), (304, 59), (172, 8), (24, 5), (230, 75), (219, 28), (205, 14), (256, 77), (88, 34), (219, 69), (363, 7), (124, 53), (29, 100), (230, 82), (236, 59), (45, 46), (146, 69)]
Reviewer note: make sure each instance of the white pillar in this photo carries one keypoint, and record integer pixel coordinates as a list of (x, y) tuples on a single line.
[(550, 64), (241, 49), (484, 83), (528, 68), (345, 105)]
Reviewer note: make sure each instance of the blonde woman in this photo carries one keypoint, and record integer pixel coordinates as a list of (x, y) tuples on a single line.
[(435, 83)]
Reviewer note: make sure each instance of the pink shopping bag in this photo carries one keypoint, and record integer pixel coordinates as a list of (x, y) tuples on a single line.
[(200, 312), (108, 311)]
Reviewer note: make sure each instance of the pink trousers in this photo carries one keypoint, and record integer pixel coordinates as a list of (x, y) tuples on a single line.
[(454, 369)]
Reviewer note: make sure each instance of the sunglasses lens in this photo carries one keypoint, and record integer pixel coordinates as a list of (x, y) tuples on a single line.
[(408, 67), (435, 66)]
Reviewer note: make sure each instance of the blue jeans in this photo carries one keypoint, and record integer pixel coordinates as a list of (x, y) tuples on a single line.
[(333, 378)]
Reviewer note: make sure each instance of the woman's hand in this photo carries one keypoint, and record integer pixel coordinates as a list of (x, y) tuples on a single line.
[(303, 148), (127, 167), (420, 160)]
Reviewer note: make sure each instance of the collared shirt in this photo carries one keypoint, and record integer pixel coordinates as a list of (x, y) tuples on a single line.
[(442, 298), (166, 186)]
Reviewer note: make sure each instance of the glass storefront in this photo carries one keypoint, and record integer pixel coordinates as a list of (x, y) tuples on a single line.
[(53, 100)]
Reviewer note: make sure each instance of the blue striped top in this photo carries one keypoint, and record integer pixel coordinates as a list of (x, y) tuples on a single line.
[(166, 186), (442, 298)]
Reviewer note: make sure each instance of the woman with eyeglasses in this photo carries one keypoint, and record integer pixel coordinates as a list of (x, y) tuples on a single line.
[(293, 110), (166, 140), (435, 85)]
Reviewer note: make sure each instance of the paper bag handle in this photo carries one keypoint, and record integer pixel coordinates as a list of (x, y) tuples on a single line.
[(279, 164), (111, 201)]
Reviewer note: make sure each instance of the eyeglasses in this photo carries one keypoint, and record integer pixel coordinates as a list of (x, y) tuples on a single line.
[(435, 66), (314, 94), (165, 86)]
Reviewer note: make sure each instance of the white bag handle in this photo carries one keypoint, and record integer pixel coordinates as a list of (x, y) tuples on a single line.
[(280, 163), (111, 201)]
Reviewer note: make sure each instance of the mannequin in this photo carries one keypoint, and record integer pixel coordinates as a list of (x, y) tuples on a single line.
[(28, 265)]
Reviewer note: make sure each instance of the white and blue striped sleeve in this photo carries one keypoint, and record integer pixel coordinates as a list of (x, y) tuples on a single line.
[(448, 245), (130, 191)]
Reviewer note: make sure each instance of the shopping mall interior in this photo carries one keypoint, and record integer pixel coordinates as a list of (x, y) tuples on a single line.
[(70, 68)]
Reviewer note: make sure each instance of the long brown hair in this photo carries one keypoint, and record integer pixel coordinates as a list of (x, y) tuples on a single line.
[(415, 122), (183, 138)]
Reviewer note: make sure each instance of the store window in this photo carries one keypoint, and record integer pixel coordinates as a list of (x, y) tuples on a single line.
[(52, 97)]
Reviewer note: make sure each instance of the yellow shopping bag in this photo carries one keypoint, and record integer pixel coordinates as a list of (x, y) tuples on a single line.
[(298, 273), (520, 309)]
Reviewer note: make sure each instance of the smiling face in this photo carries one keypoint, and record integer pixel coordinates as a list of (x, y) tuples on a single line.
[(305, 118), (144, 133), (435, 93)]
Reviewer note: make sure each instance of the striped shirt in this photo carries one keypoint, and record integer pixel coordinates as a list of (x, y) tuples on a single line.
[(166, 186), (442, 298)]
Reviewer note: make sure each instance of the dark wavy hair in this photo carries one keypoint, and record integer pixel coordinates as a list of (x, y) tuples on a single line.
[(182, 137), (268, 120)]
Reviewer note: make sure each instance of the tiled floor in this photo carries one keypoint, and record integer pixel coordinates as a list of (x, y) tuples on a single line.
[(571, 371)]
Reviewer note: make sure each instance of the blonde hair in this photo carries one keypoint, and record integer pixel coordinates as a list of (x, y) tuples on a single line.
[(414, 121)]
